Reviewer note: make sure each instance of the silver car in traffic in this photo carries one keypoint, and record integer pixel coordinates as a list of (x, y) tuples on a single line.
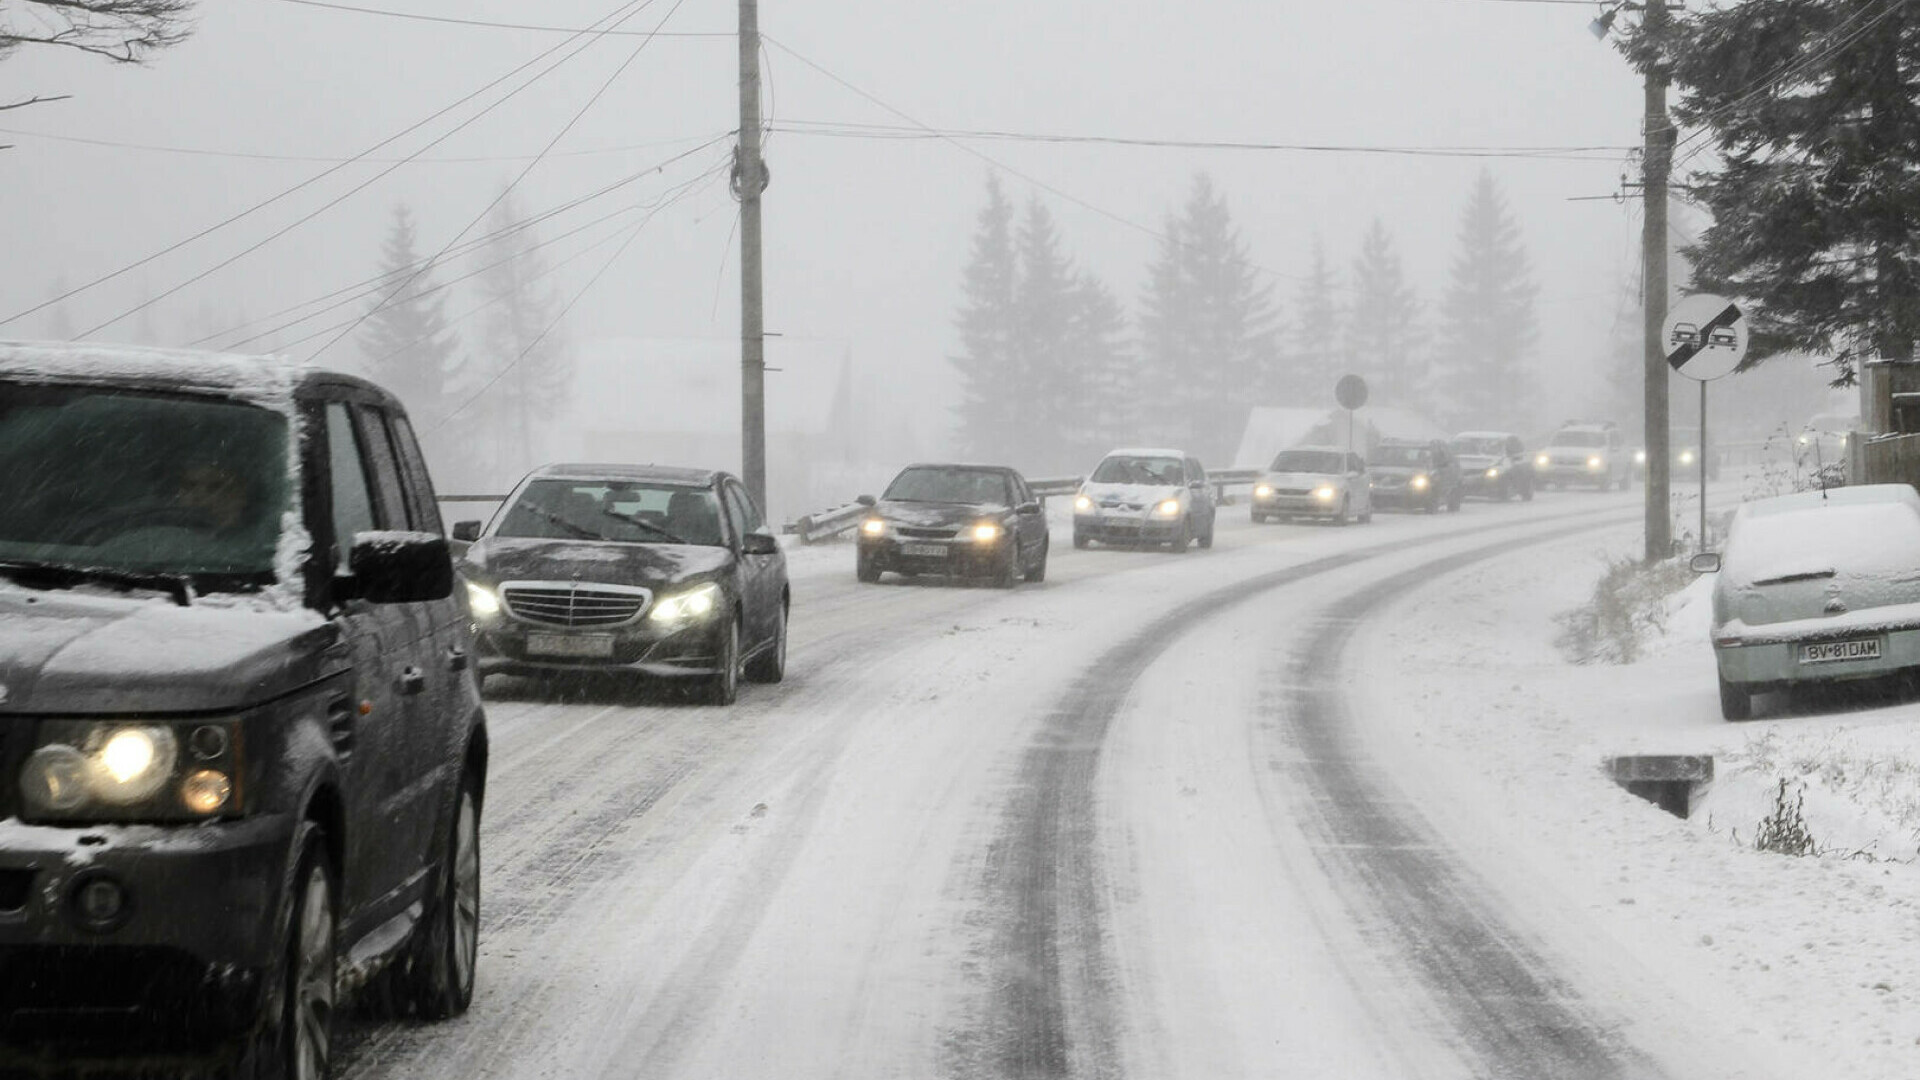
[(1816, 587)]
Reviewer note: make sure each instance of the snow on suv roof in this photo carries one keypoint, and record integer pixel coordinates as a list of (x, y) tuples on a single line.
[(263, 379)]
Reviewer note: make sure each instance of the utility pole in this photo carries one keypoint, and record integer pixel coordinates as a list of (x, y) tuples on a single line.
[(1656, 163), (749, 180)]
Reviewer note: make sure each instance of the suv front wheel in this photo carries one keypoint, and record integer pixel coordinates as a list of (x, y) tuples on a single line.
[(447, 945)]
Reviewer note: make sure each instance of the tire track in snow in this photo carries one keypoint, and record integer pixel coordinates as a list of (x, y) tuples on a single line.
[(1499, 994), (1046, 962)]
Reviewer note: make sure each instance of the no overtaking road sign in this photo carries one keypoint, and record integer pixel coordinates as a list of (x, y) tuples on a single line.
[(1706, 337)]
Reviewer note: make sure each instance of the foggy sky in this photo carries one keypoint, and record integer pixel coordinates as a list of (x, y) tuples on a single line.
[(865, 239)]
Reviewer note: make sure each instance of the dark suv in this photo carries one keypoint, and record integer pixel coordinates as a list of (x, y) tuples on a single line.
[(240, 737), (1415, 475)]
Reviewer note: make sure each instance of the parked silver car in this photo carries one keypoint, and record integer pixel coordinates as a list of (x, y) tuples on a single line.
[(1314, 481), (1816, 587)]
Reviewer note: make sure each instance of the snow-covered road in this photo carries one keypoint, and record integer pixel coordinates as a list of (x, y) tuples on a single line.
[(1119, 824)]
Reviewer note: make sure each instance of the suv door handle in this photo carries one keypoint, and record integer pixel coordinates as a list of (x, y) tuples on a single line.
[(412, 680), (456, 658)]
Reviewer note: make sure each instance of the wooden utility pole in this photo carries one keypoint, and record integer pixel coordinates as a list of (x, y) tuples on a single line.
[(749, 180), (1656, 163)]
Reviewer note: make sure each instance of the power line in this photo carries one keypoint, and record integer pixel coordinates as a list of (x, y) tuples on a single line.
[(835, 129), (243, 155), (361, 289), (530, 166), (363, 185), (489, 25), (310, 181)]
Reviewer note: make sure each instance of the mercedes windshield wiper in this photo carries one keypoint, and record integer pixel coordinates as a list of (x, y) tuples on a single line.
[(575, 528), (64, 575), (649, 526)]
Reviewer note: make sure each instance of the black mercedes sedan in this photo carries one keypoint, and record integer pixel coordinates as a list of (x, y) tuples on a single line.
[(661, 572), (963, 521)]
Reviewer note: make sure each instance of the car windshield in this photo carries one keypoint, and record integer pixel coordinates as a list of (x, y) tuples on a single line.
[(140, 482), (971, 486), (1579, 438), (1152, 471), (621, 511), (1402, 455), (1490, 446), (1307, 461)]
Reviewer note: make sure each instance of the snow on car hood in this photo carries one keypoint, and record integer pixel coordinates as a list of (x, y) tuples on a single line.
[(1821, 561), (926, 515), (1131, 494), (652, 566), (1301, 479), (80, 653)]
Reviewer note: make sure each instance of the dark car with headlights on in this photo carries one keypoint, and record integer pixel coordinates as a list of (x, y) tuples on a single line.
[(961, 521), (242, 751), (652, 571), (1494, 465), (1410, 475)]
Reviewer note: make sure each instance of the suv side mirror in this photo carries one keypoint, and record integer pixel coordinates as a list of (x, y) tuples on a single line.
[(398, 568), (865, 500), (759, 542), (466, 531)]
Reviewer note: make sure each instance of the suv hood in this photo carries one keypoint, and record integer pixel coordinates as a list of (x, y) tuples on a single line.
[(926, 515), (78, 653), (653, 566)]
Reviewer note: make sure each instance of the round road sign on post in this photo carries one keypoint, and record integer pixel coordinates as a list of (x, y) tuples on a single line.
[(1705, 337), (1350, 391)]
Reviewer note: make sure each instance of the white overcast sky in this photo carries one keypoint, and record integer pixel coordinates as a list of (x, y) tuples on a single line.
[(865, 239)]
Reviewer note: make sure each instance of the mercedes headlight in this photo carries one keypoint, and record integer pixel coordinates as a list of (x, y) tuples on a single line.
[(1082, 504), (694, 604), (482, 602), (1169, 508), (115, 770), (1419, 483)]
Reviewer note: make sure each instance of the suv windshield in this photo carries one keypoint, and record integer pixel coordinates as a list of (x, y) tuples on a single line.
[(1307, 461), (1579, 438), (1488, 447), (107, 478), (949, 486), (1156, 471), (1402, 455), (622, 511)]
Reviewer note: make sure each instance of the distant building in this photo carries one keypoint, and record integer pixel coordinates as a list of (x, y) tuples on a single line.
[(1271, 430), (676, 401)]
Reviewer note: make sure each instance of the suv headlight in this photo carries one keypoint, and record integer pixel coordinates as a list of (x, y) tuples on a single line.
[(696, 603), (133, 770)]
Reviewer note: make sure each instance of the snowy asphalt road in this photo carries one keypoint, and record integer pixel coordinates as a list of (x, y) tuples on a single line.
[(1106, 826)]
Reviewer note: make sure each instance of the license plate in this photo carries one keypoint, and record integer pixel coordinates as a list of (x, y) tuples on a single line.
[(1824, 652), (581, 645), (924, 551)]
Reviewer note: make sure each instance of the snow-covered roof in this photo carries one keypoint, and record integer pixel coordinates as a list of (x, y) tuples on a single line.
[(692, 385), (1146, 451), (1483, 434), (265, 379)]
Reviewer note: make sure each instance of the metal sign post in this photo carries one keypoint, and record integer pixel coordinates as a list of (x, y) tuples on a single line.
[(1706, 338), (1351, 393)]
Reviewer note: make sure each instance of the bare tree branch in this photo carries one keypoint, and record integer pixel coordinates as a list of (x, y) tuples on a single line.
[(124, 31), (32, 101)]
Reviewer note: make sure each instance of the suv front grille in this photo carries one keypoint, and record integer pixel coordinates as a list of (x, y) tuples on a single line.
[(573, 605)]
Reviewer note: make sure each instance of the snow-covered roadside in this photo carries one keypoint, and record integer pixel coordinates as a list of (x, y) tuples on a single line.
[(1809, 962)]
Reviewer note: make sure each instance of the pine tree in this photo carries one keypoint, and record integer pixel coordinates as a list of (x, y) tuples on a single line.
[(1811, 109), (406, 343), (1316, 361), (519, 376), (1488, 329), (989, 371), (1103, 405), (1047, 379), (1208, 340), (1383, 334)]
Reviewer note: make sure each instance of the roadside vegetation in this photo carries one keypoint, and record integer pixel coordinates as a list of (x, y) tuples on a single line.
[(1629, 608)]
